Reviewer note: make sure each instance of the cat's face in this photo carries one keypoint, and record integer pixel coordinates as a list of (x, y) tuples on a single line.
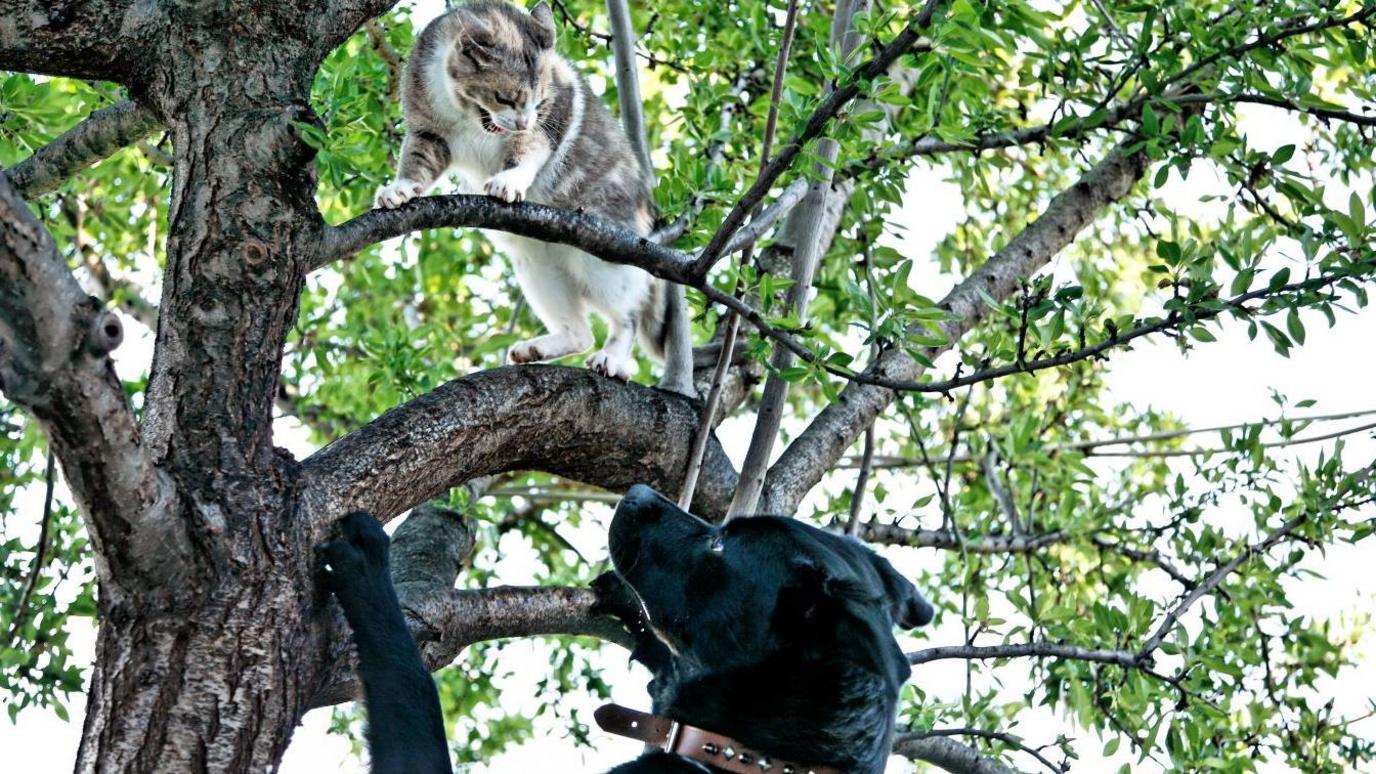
[(500, 66)]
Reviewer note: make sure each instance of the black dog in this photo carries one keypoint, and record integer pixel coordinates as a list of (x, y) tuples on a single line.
[(765, 630), (405, 727)]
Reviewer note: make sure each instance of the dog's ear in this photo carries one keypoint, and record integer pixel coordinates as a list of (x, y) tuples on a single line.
[(816, 590), (906, 604)]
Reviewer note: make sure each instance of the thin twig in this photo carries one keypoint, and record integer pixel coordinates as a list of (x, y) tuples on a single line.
[(389, 55), (605, 39), (40, 552), (862, 480), (1001, 496), (1166, 435), (733, 320), (857, 498), (628, 82), (1172, 321), (904, 42)]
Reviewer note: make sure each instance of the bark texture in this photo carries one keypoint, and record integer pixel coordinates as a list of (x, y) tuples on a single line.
[(216, 681), (570, 422)]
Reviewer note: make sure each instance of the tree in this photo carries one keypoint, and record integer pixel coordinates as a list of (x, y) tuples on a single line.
[(218, 149)]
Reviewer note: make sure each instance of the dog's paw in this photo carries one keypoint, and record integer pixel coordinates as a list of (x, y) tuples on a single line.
[(359, 551), (525, 352), (609, 365), (389, 197), (508, 185)]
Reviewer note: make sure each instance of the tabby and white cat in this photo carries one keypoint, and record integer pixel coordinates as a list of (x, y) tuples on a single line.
[(487, 96)]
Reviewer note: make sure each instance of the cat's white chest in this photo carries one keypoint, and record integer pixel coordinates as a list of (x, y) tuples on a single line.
[(475, 154)]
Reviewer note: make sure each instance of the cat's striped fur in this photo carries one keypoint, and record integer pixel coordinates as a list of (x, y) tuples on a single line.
[(487, 96)]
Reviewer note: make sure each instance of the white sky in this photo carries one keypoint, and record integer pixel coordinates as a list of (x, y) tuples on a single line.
[(1229, 381)]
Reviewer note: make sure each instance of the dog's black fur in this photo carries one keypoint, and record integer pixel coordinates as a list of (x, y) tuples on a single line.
[(766, 630), (405, 726)]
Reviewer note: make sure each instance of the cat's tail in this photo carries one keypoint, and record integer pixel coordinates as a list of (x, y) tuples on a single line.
[(666, 335)]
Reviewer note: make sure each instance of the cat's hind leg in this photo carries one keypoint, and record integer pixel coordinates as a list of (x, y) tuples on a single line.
[(554, 296), (619, 293)]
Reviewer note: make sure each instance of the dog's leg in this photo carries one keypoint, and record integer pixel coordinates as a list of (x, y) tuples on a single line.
[(405, 728)]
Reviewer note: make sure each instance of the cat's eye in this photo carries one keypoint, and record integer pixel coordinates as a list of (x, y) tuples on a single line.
[(716, 542), (502, 100)]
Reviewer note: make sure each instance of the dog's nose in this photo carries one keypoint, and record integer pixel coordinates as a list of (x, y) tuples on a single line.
[(641, 502)]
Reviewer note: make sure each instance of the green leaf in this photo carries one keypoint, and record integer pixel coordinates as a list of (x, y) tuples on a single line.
[(1279, 279), (1294, 326), (1151, 123), (1242, 282)]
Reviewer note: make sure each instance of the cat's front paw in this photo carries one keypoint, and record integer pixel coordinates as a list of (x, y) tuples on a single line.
[(525, 352), (509, 186), (610, 365), (390, 197)]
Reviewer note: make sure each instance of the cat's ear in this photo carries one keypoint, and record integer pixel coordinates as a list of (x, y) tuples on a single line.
[(544, 20), (473, 50)]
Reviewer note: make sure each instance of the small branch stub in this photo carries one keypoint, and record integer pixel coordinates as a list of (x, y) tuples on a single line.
[(105, 334)]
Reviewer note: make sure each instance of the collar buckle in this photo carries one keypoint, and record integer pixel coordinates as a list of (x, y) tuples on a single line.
[(671, 741)]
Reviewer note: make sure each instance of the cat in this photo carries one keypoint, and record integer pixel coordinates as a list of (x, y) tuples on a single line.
[(486, 95)]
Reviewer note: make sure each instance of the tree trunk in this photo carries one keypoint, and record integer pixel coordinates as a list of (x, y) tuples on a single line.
[(214, 689), (215, 673)]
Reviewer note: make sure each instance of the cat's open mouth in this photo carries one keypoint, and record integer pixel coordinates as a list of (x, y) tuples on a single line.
[(485, 118)]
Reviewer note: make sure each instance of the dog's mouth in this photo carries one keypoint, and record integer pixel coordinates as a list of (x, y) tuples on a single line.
[(485, 118), (649, 622)]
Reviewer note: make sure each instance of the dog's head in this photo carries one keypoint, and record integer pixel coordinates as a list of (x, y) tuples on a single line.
[(779, 633)]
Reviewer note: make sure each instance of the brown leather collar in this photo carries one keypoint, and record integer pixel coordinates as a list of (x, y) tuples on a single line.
[(721, 752)]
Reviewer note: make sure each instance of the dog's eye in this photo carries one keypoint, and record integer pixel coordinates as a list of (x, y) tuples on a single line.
[(715, 543)]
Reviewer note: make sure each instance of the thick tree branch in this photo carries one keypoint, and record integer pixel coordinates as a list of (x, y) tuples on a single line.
[(818, 448), (1122, 658), (94, 39), (815, 237), (948, 754), (54, 362), (606, 240), (570, 422), (339, 19), (979, 733), (678, 366), (94, 139)]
